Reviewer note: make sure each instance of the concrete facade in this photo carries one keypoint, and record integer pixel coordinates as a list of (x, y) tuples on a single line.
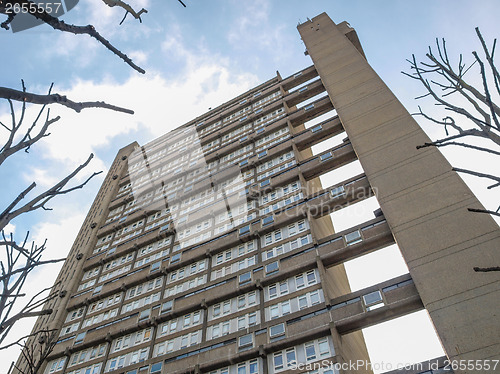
[(211, 249), (424, 201)]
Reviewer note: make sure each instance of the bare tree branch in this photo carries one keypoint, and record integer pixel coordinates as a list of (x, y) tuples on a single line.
[(41, 200), (127, 7), (445, 142), (23, 96), (40, 13), (13, 276), (446, 84), (486, 270), (484, 211), (36, 350), (489, 58), (477, 174)]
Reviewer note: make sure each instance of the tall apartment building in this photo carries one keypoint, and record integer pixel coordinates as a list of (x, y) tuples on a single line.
[(211, 249)]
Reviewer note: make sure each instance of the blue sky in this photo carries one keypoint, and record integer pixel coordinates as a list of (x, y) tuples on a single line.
[(195, 58)]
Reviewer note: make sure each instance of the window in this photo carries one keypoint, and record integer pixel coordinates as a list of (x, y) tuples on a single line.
[(97, 290), (316, 128), (267, 220), (353, 237), (155, 267), (373, 300), (245, 341), (309, 107), (156, 368), (144, 314), (284, 359), (249, 367), (325, 156), (56, 365), (310, 351), (323, 347), (294, 304), (277, 330), (245, 277), (337, 191), (299, 281), (244, 230), (166, 306), (262, 154), (175, 258), (272, 267), (79, 338), (311, 277), (273, 291), (267, 182)]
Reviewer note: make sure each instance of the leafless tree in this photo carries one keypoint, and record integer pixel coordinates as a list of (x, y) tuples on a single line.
[(473, 112), (37, 350), (19, 259), (38, 11)]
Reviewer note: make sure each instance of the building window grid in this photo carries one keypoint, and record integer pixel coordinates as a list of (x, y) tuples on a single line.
[(92, 369), (275, 165), (284, 360), (128, 359), (114, 273), (229, 326), (144, 288), (247, 367), (284, 232), (100, 318), (180, 323), (177, 343), (236, 266), (233, 253), (65, 330), (240, 131), (273, 141), (75, 314), (86, 355), (269, 118), (91, 273), (185, 286), (294, 304), (286, 247), (142, 302), (288, 200), (260, 122), (317, 349), (233, 305), (104, 303), (131, 340), (279, 193), (186, 271)]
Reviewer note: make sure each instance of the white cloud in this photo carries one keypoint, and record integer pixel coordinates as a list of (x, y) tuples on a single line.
[(40, 176), (9, 229), (139, 57), (255, 29), (160, 104)]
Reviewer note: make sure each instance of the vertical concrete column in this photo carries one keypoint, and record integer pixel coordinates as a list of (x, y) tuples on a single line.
[(424, 201)]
